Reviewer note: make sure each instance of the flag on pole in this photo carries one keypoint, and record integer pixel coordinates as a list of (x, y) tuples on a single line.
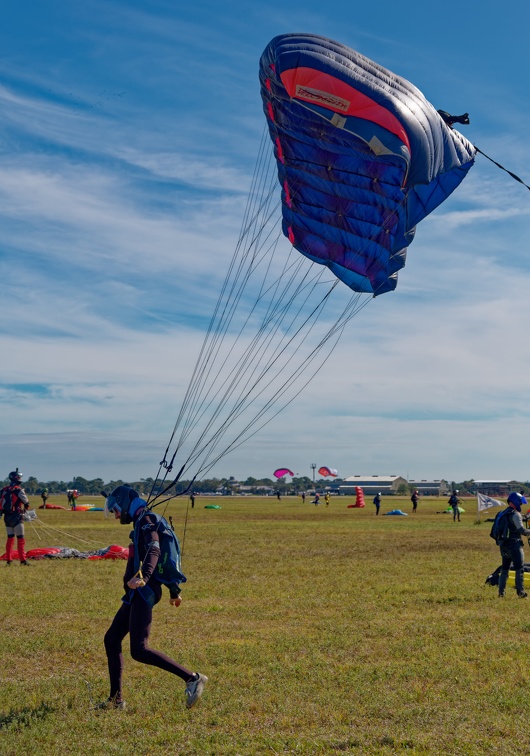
[(486, 502)]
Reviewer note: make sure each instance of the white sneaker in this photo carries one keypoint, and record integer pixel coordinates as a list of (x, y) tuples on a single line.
[(194, 690)]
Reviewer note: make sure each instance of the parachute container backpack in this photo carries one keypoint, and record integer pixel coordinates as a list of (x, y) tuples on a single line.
[(362, 157), (501, 525), (167, 571)]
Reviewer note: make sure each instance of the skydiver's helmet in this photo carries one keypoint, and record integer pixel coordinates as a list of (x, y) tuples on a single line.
[(15, 477), (515, 500), (126, 501)]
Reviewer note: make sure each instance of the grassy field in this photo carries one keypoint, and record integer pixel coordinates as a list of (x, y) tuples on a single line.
[(322, 630)]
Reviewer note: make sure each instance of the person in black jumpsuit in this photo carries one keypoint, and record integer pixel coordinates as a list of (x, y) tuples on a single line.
[(511, 547), (136, 612)]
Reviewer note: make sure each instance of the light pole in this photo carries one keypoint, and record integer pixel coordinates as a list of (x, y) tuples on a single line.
[(313, 467)]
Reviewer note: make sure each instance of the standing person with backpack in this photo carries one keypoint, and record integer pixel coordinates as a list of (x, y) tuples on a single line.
[(377, 502), (414, 499), (154, 558), (507, 530), (14, 503), (454, 502)]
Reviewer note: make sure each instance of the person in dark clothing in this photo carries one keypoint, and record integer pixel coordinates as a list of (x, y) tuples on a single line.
[(44, 497), (377, 502), (13, 504), (414, 499), (192, 500), (454, 502), (142, 591), (511, 546)]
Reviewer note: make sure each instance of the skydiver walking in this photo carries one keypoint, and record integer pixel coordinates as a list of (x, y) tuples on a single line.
[(377, 502), (13, 503), (143, 591), (511, 546)]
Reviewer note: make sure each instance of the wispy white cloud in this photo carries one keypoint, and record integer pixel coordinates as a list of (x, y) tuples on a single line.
[(121, 198)]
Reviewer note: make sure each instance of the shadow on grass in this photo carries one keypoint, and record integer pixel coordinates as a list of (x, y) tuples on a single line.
[(24, 717)]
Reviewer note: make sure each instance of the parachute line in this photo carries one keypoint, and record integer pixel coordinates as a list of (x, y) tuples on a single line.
[(264, 343), (513, 175)]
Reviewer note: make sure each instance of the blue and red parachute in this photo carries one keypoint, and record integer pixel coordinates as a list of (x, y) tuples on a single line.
[(362, 157)]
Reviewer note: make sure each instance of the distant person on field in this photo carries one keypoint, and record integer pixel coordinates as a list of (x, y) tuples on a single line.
[(278, 495), (377, 502), (192, 499), (454, 502), (44, 497), (512, 546), (316, 500), (303, 497), (14, 503), (326, 499), (142, 592), (414, 499)]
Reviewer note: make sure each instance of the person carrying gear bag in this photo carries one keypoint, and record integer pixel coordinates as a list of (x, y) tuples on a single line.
[(510, 544)]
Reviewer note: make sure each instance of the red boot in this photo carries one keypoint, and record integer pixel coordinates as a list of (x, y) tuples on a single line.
[(9, 549), (21, 542)]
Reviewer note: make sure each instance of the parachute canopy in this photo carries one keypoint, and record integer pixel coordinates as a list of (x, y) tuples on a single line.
[(362, 157), (327, 471), (282, 471)]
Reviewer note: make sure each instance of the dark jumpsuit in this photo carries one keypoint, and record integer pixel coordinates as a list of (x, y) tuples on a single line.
[(136, 612), (512, 553)]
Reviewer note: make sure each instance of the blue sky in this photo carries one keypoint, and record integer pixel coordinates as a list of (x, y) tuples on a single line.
[(129, 133)]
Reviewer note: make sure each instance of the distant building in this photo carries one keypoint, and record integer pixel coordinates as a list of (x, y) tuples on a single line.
[(494, 487), (387, 485), (430, 487)]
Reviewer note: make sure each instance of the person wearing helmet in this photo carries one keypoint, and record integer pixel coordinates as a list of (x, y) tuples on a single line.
[(414, 499), (44, 497), (511, 546), (142, 592), (13, 503), (454, 502), (377, 502)]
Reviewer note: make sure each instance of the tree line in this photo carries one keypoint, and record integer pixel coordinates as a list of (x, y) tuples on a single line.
[(145, 486)]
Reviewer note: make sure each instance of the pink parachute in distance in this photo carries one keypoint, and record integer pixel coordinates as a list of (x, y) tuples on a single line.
[(327, 471), (282, 471)]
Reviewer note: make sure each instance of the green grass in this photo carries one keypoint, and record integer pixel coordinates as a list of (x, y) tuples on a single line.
[(322, 630)]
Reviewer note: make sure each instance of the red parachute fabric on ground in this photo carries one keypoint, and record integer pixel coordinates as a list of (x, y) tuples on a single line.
[(113, 552), (32, 553), (51, 506)]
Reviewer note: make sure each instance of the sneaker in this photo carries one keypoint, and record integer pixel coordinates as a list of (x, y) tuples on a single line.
[(502, 595), (523, 594), (112, 703), (25, 564), (194, 689)]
